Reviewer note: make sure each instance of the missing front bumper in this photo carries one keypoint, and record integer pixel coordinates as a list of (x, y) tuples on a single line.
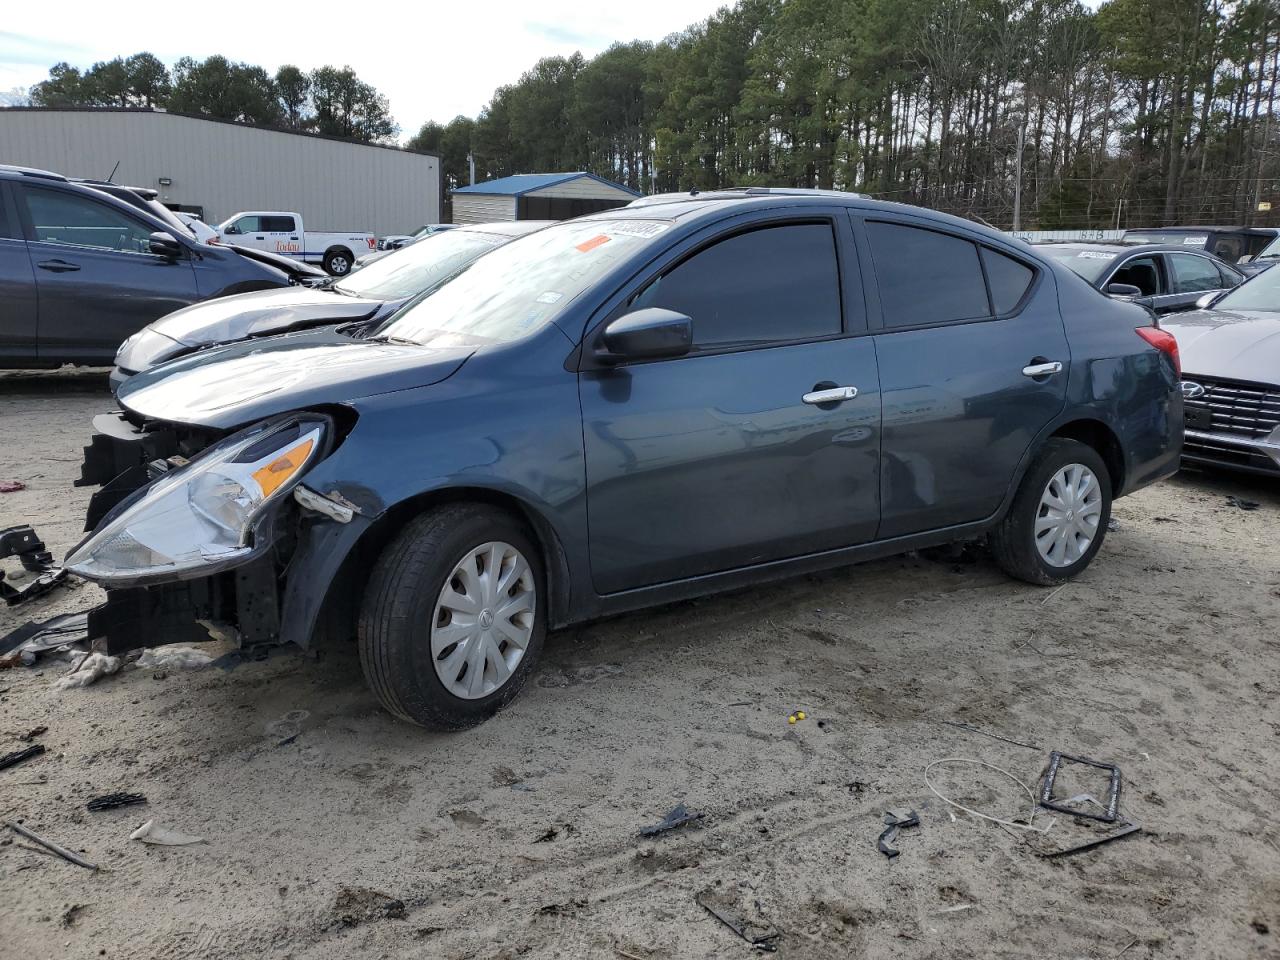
[(241, 604)]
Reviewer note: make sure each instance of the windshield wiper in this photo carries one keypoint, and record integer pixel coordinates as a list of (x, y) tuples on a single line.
[(388, 338)]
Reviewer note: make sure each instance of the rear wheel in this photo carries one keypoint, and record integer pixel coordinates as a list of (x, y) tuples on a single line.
[(454, 617), (1058, 518), (338, 261)]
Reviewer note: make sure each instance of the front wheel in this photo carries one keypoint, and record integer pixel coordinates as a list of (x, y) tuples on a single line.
[(337, 263), (454, 617), (1058, 518)]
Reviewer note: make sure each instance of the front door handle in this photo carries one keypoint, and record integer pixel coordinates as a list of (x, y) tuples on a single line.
[(830, 395), (1042, 368), (58, 266)]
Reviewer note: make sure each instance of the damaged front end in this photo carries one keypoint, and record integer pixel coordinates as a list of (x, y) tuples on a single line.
[(211, 545)]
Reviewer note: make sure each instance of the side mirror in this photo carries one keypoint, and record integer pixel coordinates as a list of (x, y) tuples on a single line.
[(1205, 302), (1123, 290), (163, 245), (649, 334)]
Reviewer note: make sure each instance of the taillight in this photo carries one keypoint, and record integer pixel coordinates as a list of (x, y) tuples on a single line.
[(1165, 342)]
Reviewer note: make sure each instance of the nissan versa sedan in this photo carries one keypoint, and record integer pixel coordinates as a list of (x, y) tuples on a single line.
[(1231, 351), (376, 292), (686, 395)]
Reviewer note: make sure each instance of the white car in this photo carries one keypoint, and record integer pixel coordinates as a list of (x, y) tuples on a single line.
[(283, 232), (203, 232)]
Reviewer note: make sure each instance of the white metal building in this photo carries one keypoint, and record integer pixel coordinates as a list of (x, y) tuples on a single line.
[(226, 167), (538, 196)]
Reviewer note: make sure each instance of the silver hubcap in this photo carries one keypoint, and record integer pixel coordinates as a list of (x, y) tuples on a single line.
[(338, 265), (1067, 520), (483, 620)]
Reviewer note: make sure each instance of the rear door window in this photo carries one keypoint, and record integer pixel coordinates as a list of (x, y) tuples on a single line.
[(926, 277), (769, 285), (1194, 274), (1140, 272), (77, 221), (276, 224), (1009, 280)]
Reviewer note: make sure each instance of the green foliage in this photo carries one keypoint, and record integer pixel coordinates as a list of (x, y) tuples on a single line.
[(346, 106), (327, 100), (1165, 105)]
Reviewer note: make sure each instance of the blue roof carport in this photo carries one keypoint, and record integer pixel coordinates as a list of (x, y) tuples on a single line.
[(538, 196)]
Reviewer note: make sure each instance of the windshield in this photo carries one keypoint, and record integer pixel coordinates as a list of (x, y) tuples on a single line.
[(409, 271), (1272, 249), (1090, 264), (521, 286), (1260, 292)]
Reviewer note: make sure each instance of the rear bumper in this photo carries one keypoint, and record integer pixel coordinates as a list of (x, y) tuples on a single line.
[(1232, 452)]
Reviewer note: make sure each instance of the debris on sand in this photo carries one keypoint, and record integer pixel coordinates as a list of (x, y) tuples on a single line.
[(895, 820), (26, 643), (174, 658), (1240, 503), (678, 817), (20, 756), (63, 852), (1110, 809), (356, 905), (763, 937), (11, 486), (111, 801), (162, 836), (89, 670)]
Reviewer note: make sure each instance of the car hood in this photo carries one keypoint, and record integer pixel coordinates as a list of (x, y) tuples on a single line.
[(261, 312), (238, 384), (1238, 345)]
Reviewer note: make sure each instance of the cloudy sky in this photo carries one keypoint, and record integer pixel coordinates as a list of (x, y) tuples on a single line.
[(431, 68)]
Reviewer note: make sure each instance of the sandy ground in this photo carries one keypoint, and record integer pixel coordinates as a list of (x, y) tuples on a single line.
[(365, 837)]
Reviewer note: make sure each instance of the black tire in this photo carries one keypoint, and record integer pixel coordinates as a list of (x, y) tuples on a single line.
[(1013, 541), (338, 261), (394, 630)]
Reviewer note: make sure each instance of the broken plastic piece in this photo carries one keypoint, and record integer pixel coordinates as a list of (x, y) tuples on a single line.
[(11, 486), (1110, 809), (20, 756), (896, 819), (150, 833), (111, 801), (1124, 831), (308, 498), (762, 938), (678, 817)]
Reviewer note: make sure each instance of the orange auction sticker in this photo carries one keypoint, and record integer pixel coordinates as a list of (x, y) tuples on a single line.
[(594, 242)]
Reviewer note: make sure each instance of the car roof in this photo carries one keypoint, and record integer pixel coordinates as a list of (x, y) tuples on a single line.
[(1119, 247), (13, 170), (1205, 228), (507, 228)]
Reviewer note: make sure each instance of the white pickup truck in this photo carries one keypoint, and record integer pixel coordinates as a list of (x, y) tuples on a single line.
[(283, 232)]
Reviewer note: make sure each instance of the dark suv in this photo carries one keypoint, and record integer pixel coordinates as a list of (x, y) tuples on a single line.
[(686, 395), (80, 270)]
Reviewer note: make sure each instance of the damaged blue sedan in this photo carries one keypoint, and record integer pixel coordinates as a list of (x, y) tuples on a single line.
[(691, 394)]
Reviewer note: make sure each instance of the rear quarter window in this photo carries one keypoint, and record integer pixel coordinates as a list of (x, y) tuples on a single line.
[(1008, 278)]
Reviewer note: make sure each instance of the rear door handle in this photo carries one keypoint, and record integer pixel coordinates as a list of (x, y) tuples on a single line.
[(830, 395), (1045, 368), (58, 266)]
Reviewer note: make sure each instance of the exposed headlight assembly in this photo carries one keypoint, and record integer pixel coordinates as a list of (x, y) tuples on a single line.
[(202, 517)]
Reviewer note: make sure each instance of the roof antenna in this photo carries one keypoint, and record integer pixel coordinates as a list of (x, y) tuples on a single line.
[(113, 172)]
